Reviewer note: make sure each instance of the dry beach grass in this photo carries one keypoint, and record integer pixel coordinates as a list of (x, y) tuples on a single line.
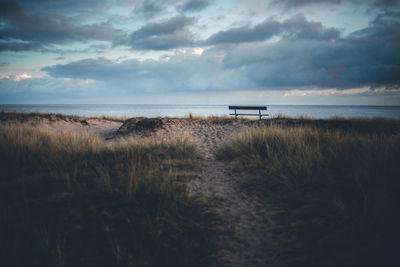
[(100, 191), (335, 193), (73, 200)]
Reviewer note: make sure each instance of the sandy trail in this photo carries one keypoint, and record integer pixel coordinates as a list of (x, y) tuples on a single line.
[(243, 215)]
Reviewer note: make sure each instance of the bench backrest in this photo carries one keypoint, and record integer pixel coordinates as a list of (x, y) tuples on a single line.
[(249, 107)]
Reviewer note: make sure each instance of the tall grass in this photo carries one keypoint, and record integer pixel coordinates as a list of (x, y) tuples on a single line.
[(69, 200), (111, 118), (13, 116), (337, 193)]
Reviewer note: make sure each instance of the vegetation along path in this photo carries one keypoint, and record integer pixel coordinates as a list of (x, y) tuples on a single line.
[(243, 216)]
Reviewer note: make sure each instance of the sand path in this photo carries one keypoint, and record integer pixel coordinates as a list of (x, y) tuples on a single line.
[(243, 215)]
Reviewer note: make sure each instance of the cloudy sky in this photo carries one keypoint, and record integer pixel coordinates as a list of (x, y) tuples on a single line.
[(200, 51)]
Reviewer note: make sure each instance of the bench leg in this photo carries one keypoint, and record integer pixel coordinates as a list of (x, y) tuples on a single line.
[(235, 115)]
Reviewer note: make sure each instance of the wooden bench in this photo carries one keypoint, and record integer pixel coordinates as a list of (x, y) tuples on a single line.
[(259, 108)]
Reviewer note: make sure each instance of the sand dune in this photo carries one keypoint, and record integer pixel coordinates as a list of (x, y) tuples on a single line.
[(243, 215), (245, 218)]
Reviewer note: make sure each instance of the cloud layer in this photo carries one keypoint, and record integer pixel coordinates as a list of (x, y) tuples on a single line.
[(171, 33), (198, 46), (298, 3), (296, 27), (307, 54), (27, 25)]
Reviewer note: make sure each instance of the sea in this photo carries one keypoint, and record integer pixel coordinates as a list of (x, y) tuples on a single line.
[(170, 110)]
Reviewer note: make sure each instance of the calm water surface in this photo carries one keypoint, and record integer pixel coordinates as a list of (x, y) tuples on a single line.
[(132, 110)]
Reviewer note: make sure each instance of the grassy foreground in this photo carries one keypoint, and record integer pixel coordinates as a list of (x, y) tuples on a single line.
[(70, 200), (336, 193)]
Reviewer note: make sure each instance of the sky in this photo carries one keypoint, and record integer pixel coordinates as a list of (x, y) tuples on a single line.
[(303, 52)]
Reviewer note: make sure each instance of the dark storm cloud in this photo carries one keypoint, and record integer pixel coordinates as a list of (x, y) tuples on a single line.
[(163, 42), (194, 5), (34, 25), (298, 27), (165, 27), (298, 3), (295, 28), (7, 6), (387, 16), (386, 2), (259, 32), (149, 8), (152, 8), (97, 69), (368, 57), (39, 25), (162, 35), (19, 46)]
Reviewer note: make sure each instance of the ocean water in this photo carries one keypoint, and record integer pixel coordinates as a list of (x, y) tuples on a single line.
[(141, 110)]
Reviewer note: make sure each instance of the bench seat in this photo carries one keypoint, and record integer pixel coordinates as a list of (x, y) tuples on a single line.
[(259, 108)]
